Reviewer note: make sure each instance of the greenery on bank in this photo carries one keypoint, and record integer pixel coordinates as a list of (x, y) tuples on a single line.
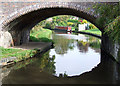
[(39, 34), (64, 20), (61, 20), (93, 31), (20, 54)]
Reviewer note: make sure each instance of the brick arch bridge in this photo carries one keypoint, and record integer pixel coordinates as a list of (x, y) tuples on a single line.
[(19, 19)]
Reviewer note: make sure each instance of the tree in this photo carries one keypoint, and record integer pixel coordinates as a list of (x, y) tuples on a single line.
[(107, 13), (113, 29), (109, 18)]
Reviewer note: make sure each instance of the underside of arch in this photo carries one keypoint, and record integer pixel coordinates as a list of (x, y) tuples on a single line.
[(32, 18)]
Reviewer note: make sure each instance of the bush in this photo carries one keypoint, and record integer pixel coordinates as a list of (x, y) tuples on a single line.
[(73, 29), (91, 26), (73, 21), (84, 21), (69, 23), (48, 25), (113, 29)]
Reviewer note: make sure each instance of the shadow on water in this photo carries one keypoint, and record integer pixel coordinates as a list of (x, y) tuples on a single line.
[(42, 70)]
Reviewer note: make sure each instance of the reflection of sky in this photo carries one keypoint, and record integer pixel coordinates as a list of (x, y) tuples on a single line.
[(75, 62)]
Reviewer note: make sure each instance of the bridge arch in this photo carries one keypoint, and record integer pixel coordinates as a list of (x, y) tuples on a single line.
[(50, 9), (20, 22)]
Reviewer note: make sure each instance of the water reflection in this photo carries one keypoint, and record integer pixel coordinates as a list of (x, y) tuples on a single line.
[(107, 72), (46, 63), (62, 44), (74, 55), (72, 61)]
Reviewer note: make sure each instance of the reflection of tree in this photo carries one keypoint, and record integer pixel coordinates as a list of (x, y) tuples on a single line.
[(62, 44), (63, 75), (46, 63), (24, 63), (83, 46), (94, 43)]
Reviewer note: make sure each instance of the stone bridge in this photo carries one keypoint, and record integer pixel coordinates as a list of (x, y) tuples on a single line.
[(19, 16)]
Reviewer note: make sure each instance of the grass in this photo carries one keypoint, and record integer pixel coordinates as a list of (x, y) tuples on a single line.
[(18, 53), (93, 31), (40, 35)]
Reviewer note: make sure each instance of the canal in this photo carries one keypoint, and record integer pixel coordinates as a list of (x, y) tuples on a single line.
[(75, 59)]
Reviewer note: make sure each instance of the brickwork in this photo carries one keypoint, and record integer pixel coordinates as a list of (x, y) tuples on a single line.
[(10, 11)]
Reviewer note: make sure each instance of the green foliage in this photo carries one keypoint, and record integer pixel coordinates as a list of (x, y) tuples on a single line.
[(113, 29), (7, 50), (91, 26), (42, 24), (109, 18), (73, 29), (48, 25), (57, 21), (84, 21), (69, 23), (107, 13), (18, 53), (72, 20), (61, 20)]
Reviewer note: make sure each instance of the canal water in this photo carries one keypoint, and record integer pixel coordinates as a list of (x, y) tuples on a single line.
[(75, 59)]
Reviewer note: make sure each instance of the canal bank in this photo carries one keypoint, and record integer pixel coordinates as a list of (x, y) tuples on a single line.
[(94, 32), (35, 48), (87, 33)]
